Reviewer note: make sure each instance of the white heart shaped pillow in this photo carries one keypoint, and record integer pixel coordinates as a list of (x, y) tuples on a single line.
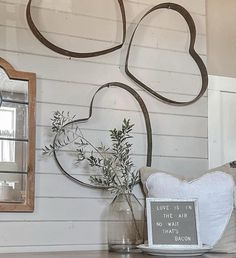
[(215, 194)]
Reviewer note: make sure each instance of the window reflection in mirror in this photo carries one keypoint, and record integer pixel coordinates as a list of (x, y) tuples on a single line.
[(7, 130), (16, 139)]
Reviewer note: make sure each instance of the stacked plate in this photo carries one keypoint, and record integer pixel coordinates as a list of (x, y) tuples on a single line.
[(163, 251)]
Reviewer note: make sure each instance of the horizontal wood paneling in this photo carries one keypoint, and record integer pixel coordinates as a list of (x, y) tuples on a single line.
[(176, 165), (60, 209), (163, 19), (85, 7), (161, 123), (54, 92), (145, 37), (164, 145), (68, 216), (66, 188), (198, 6), (6, 250), (56, 233), (80, 71), (140, 58)]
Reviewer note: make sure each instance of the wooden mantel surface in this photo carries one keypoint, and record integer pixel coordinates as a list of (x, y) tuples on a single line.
[(98, 254)]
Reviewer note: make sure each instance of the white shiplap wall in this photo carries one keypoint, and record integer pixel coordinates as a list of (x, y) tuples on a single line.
[(68, 216)]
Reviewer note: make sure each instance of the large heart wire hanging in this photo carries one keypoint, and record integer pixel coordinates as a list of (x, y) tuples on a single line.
[(147, 124), (69, 53), (192, 29)]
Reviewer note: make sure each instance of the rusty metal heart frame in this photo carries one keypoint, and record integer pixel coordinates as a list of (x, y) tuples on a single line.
[(69, 53), (203, 71), (147, 123)]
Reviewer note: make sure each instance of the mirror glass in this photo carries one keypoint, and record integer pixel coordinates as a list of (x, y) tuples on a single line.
[(16, 140)]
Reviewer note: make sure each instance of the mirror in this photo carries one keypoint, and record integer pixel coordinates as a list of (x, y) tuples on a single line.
[(17, 138)]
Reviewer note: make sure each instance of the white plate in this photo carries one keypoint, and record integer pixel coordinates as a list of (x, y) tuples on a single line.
[(174, 252)]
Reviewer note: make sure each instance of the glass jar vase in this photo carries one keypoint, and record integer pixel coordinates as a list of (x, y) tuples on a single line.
[(125, 223)]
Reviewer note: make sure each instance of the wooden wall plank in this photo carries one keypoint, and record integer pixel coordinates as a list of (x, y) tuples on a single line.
[(141, 58), (161, 123), (66, 188), (115, 98), (82, 6), (56, 233), (162, 19), (164, 145), (145, 37), (198, 6), (58, 209), (176, 165), (80, 71), (50, 248)]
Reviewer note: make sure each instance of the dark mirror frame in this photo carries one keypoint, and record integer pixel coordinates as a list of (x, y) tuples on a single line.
[(28, 204)]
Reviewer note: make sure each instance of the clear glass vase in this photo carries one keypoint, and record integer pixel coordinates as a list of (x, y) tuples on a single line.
[(125, 224)]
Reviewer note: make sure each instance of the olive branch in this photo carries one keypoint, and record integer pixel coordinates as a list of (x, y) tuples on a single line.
[(117, 168)]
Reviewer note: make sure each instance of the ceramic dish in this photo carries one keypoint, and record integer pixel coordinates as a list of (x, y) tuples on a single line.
[(174, 252)]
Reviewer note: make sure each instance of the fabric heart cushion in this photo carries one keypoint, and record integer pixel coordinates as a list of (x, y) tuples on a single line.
[(215, 194)]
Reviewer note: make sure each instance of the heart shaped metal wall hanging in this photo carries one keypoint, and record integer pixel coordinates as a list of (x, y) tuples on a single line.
[(82, 120), (203, 71), (67, 52)]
